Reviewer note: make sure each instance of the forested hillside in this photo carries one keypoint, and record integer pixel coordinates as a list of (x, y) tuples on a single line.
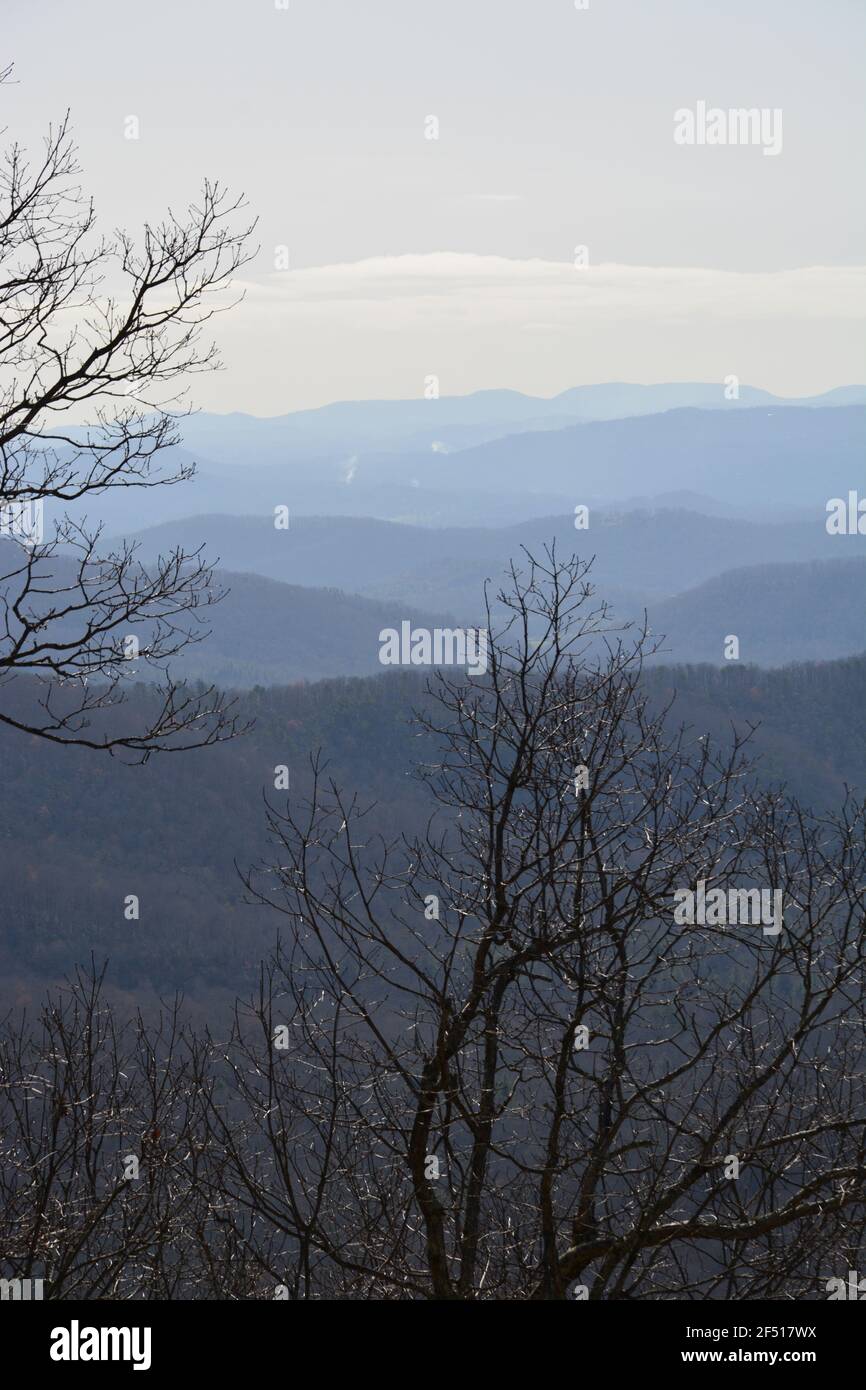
[(72, 847)]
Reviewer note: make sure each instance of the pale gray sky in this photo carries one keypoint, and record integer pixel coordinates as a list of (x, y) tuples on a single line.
[(555, 130)]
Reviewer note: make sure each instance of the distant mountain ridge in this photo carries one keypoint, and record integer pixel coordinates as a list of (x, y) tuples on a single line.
[(271, 630), (811, 611), (768, 463), (780, 457), (261, 632), (461, 421), (267, 633), (654, 555)]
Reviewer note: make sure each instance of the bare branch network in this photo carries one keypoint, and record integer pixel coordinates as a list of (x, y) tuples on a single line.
[(104, 331), (488, 1063)]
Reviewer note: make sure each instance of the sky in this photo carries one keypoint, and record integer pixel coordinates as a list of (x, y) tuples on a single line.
[(554, 234)]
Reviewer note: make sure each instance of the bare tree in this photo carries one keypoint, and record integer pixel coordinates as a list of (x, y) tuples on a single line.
[(493, 1063), (97, 336), (96, 1126), (113, 1179)]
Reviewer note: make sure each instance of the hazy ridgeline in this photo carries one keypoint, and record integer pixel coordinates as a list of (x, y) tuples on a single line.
[(710, 517)]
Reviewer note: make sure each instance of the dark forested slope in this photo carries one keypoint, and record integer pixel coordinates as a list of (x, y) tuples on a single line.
[(79, 832)]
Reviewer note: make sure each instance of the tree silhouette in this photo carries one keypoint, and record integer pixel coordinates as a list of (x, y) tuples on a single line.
[(97, 336), (510, 1071)]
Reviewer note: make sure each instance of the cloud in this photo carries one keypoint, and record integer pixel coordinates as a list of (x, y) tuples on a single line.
[(380, 327), (497, 290)]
